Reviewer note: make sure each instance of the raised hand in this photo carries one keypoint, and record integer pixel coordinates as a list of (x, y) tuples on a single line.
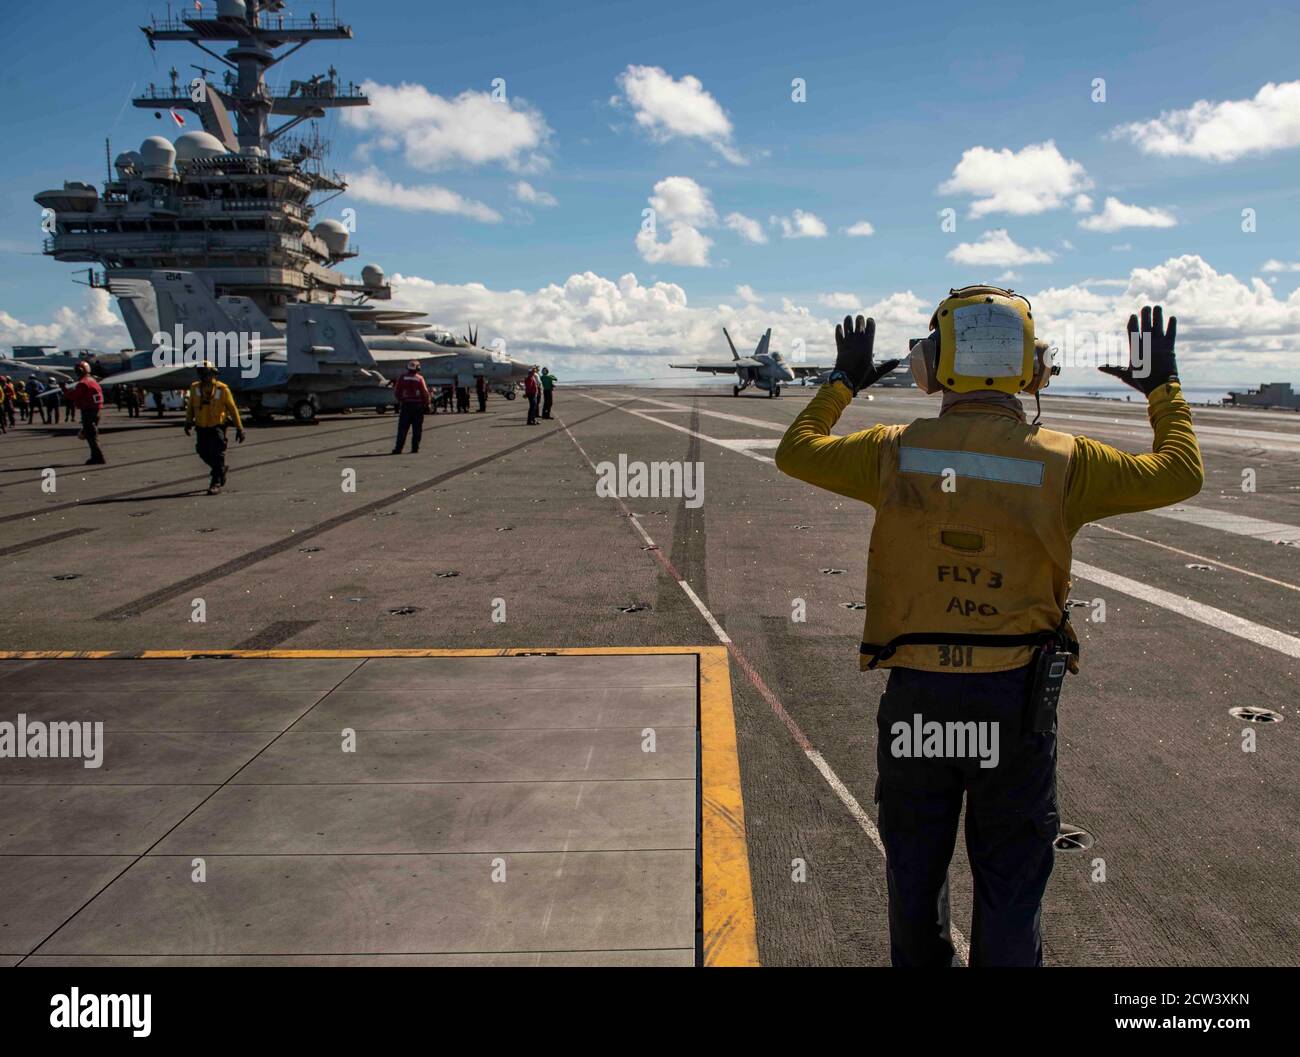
[(853, 348), (1151, 363)]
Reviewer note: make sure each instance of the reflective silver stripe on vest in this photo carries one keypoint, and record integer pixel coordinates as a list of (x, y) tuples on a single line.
[(971, 464)]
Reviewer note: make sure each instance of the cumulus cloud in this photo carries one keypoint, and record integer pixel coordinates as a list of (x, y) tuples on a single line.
[(595, 326), (839, 300), (686, 246), (92, 325), (526, 192), (746, 293), (862, 229), (371, 185), (1222, 132), (1032, 180), (667, 108), (683, 206), (1229, 330), (681, 198), (437, 133), (1082, 204), (997, 249), (1116, 215), (746, 227), (801, 225), (1281, 266)]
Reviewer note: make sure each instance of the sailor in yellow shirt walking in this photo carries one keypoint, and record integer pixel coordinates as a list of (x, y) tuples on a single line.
[(967, 578), (210, 408)]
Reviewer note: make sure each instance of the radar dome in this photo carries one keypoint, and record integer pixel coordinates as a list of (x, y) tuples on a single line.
[(191, 145), (158, 158), (231, 9), (372, 275), (127, 163), (334, 234)]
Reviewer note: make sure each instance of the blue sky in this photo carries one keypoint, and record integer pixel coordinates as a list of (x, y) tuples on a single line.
[(895, 98)]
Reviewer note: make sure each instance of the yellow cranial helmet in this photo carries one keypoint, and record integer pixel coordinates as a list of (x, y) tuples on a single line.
[(985, 340)]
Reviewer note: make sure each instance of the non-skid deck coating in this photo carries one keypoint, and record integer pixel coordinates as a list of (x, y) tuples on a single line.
[(498, 810), (1198, 839)]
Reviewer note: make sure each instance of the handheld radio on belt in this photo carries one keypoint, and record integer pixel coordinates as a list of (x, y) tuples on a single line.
[(1050, 666)]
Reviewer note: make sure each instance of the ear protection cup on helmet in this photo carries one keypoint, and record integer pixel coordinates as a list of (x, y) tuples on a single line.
[(1044, 367), (923, 361)]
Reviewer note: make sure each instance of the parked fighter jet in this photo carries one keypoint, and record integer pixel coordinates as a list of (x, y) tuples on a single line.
[(321, 362), (20, 368), (763, 370), (48, 363)]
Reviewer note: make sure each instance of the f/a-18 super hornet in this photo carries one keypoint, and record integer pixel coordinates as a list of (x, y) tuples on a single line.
[(763, 369), (321, 361)]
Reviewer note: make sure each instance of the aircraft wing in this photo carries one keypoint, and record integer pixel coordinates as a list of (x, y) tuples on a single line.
[(718, 366), (151, 378), (404, 356), (805, 370)]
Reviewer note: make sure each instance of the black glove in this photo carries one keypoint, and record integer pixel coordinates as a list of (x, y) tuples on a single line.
[(853, 353), (239, 436), (1154, 358)]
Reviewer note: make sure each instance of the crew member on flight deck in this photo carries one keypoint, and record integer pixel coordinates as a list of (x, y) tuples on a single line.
[(210, 408), (412, 395), (87, 397), (967, 578), (548, 391), (8, 400), (532, 389)]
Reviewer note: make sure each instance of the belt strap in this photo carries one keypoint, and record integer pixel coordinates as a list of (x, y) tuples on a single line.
[(880, 653)]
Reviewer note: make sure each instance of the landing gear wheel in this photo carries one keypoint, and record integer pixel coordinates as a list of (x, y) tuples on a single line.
[(776, 391), (771, 393), (380, 409), (735, 390), (510, 395), (304, 411)]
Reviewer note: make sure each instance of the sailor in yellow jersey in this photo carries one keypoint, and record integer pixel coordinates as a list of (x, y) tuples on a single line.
[(967, 578), (210, 408)]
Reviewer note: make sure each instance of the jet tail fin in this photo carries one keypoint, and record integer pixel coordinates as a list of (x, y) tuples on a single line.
[(734, 354), (138, 304), (247, 316), (320, 338), (763, 342), (186, 300)]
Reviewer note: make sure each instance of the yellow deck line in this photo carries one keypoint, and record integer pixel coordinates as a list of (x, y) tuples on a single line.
[(730, 934), (209, 651)]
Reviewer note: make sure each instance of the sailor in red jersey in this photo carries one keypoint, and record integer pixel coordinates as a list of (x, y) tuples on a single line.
[(412, 397), (87, 397)]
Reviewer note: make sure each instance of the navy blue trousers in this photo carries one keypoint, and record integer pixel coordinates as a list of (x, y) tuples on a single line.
[(1011, 819), (410, 416)]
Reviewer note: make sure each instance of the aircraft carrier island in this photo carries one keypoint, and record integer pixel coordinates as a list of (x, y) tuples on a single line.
[(356, 642)]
